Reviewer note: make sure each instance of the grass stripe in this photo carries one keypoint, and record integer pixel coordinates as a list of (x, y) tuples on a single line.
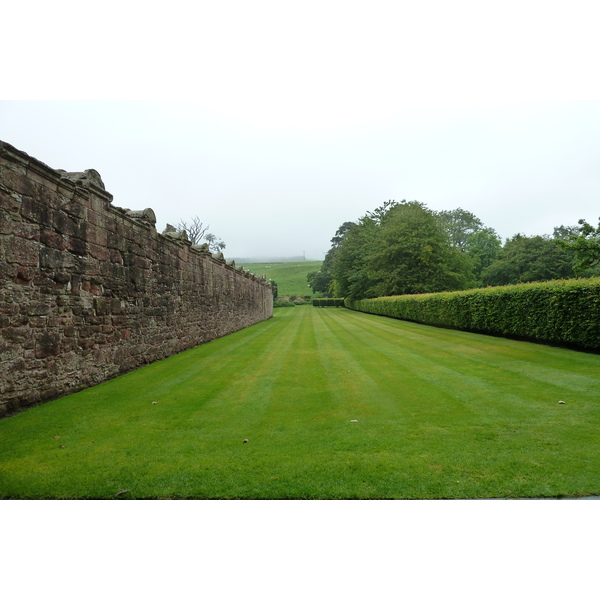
[(440, 414)]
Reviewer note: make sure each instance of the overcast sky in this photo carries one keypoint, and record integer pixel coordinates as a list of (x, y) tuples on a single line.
[(275, 122)]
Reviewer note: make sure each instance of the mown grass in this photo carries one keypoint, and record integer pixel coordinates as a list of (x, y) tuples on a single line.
[(289, 276), (439, 414)]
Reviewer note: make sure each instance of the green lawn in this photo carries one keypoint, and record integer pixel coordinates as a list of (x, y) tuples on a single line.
[(290, 277), (334, 404)]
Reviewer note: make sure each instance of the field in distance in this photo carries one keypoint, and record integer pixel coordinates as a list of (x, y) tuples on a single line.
[(322, 403), (290, 277)]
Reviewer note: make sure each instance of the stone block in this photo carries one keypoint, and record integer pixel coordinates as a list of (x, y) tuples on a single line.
[(67, 225), (7, 223), (9, 201), (85, 343), (97, 236), (38, 309), (50, 258), (97, 252), (102, 306), (47, 344), (23, 252), (75, 210), (62, 277), (77, 246), (15, 178), (51, 239), (37, 212), (37, 322), (25, 275)]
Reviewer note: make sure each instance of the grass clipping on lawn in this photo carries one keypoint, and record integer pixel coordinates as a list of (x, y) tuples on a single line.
[(322, 403)]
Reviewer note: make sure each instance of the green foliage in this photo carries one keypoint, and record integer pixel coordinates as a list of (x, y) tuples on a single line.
[(283, 304), (483, 249), (460, 225), (319, 281), (352, 273), (524, 259), (328, 302), (557, 312), (322, 281), (398, 249), (585, 244)]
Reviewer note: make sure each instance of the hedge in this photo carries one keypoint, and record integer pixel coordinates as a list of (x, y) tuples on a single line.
[(565, 312), (321, 302)]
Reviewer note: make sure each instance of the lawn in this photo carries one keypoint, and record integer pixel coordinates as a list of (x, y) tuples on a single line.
[(290, 277), (333, 404)]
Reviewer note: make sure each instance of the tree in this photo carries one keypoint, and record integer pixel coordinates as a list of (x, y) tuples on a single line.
[(196, 231), (483, 248), (564, 232), (342, 230), (523, 259), (214, 243), (460, 225), (585, 244), (352, 275), (321, 281), (415, 256), (468, 234), (400, 248)]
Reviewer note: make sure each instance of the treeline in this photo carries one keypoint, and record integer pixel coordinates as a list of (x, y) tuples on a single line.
[(406, 248)]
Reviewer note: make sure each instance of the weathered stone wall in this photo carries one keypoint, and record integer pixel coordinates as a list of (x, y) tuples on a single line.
[(89, 290)]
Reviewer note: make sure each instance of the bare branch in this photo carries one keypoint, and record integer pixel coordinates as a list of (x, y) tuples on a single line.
[(195, 230)]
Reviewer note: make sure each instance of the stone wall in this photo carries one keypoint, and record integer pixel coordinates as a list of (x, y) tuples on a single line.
[(89, 290)]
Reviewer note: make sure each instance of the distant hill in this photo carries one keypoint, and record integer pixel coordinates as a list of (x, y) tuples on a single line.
[(268, 259), (290, 276)]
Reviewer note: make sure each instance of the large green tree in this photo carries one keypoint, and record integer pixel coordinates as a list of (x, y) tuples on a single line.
[(468, 234), (352, 274), (529, 258), (460, 225), (321, 281), (584, 242), (400, 248), (483, 249)]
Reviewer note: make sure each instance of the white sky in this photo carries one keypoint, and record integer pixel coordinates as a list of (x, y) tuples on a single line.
[(275, 122)]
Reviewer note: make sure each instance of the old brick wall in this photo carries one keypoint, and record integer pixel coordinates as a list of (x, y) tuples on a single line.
[(89, 290)]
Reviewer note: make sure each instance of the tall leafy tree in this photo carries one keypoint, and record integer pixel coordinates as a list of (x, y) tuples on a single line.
[(321, 280), (529, 258), (460, 225), (352, 273), (468, 234), (415, 255), (400, 248), (584, 242), (483, 249)]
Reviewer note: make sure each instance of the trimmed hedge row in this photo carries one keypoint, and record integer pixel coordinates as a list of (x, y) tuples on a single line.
[(563, 312), (320, 302)]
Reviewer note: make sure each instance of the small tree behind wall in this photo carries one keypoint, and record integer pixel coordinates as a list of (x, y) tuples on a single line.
[(196, 231)]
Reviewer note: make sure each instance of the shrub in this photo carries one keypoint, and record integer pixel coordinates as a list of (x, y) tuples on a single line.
[(565, 312), (321, 302), (282, 303)]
